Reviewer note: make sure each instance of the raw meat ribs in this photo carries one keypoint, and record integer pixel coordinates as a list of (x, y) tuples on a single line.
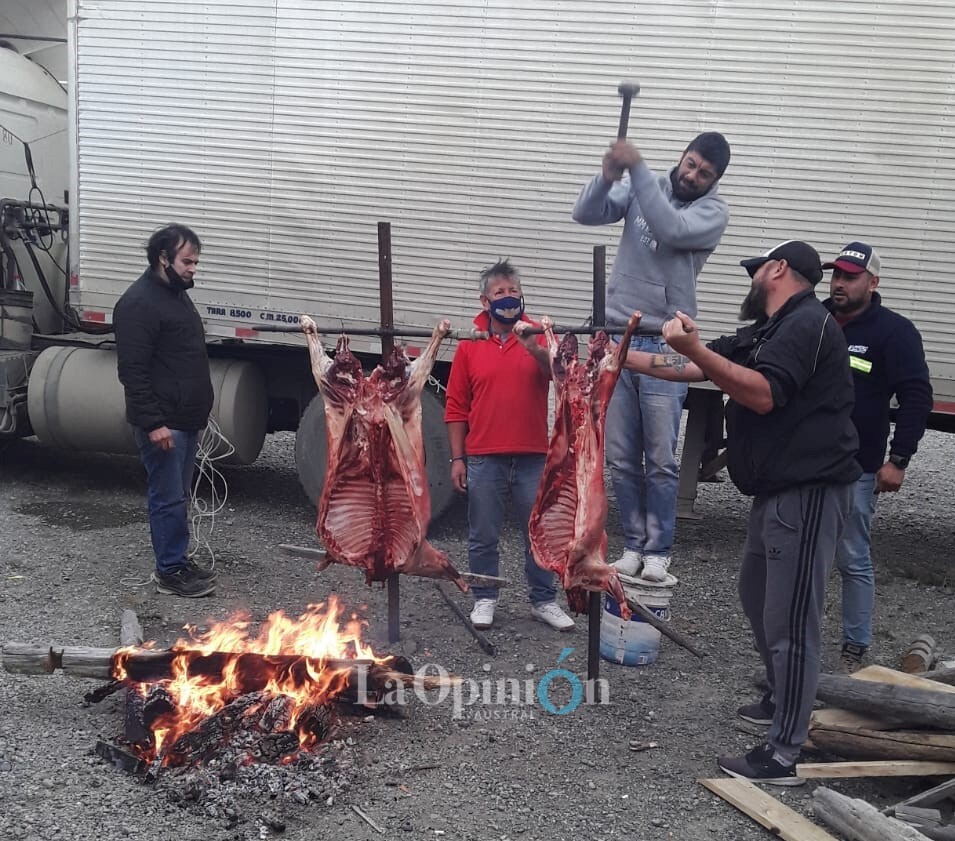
[(375, 504), (569, 515)]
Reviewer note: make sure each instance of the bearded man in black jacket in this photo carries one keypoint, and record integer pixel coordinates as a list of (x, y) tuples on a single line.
[(164, 369)]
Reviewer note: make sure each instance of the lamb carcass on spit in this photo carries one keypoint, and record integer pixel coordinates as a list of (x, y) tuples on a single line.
[(375, 504), (567, 524)]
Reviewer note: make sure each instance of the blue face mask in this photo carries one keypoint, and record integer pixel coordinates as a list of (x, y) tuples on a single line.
[(507, 310)]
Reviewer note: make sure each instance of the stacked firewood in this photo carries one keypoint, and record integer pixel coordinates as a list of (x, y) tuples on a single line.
[(881, 713), (901, 719)]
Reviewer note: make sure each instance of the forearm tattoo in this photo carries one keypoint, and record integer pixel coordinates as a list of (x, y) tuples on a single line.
[(669, 360)]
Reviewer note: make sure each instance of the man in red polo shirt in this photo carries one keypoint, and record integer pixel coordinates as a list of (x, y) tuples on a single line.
[(496, 414)]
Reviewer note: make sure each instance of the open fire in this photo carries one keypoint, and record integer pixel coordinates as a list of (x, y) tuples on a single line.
[(219, 686)]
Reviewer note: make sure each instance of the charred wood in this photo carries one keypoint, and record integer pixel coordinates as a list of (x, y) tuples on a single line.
[(120, 758), (257, 723)]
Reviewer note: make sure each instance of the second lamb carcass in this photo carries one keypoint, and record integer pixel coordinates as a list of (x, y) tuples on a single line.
[(567, 525), (375, 504)]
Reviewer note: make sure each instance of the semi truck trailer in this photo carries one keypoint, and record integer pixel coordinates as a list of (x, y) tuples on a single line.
[(286, 132)]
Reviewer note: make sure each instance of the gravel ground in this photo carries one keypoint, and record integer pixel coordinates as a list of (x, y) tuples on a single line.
[(74, 551)]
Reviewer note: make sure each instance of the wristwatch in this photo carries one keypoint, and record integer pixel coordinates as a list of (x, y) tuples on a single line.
[(899, 461)]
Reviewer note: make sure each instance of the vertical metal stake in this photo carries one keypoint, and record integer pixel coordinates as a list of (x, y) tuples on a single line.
[(386, 310), (593, 601)]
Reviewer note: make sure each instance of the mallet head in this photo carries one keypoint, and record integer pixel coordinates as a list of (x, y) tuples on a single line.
[(628, 90)]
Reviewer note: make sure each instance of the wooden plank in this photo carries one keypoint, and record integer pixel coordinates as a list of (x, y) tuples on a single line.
[(766, 810), (882, 674), (928, 798), (836, 718), (887, 768)]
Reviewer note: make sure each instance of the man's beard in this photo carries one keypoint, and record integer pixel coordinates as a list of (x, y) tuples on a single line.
[(682, 192), (753, 307)]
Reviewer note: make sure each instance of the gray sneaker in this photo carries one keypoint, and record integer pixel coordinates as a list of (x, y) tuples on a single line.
[(183, 582), (655, 567)]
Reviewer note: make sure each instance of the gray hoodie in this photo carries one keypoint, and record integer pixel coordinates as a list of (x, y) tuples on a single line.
[(664, 244)]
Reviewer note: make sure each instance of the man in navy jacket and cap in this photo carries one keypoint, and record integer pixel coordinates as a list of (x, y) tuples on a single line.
[(887, 360)]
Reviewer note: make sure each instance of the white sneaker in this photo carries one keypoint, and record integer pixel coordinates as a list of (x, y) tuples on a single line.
[(482, 616), (629, 563), (550, 614), (655, 567)]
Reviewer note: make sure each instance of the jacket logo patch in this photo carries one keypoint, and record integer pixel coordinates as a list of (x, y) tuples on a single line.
[(858, 348), (864, 366)]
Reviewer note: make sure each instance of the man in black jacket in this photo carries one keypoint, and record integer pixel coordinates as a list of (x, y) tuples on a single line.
[(887, 359), (162, 362), (791, 445)]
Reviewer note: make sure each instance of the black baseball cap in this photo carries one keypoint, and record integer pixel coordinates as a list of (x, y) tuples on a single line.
[(800, 256)]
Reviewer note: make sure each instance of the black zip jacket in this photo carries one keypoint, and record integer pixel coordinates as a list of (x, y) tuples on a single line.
[(161, 357), (887, 359), (808, 436)]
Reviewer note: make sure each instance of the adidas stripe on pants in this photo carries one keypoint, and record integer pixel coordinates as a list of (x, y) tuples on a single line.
[(790, 545)]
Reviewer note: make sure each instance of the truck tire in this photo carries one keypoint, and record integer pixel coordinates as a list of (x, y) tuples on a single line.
[(311, 459)]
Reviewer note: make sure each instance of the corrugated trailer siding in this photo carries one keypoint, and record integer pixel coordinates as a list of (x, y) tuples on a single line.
[(284, 131)]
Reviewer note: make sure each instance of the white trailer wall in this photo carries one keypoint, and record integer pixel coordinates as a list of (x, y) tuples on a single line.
[(283, 130)]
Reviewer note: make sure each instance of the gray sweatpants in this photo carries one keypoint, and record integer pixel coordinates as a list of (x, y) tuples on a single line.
[(791, 541)]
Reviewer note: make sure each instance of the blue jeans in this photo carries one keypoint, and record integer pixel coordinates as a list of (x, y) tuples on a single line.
[(168, 488), (854, 560), (643, 425), (490, 480)]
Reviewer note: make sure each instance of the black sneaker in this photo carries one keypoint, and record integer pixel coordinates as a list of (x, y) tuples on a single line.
[(760, 766), (183, 582), (205, 573), (759, 713)]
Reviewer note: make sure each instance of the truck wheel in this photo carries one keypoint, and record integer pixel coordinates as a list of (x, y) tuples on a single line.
[(311, 459)]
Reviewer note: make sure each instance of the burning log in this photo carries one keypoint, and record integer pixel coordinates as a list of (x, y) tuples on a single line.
[(252, 670)]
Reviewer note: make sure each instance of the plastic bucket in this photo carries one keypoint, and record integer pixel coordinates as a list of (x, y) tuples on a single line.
[(635, 643), (16, 319)]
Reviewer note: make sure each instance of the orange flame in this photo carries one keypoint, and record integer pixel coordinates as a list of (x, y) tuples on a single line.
[(292, 657)]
